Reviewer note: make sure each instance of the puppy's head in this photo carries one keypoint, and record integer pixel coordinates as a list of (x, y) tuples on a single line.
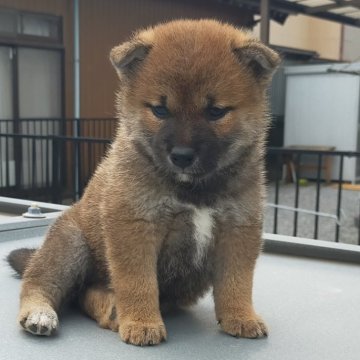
[(193, 95)]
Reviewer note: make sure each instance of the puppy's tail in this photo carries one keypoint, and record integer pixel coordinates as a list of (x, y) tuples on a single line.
[(19, 259)]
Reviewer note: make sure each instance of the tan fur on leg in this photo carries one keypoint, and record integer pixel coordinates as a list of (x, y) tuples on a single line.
[(236, 255), (99, 303), (133, 266), (60, 264)]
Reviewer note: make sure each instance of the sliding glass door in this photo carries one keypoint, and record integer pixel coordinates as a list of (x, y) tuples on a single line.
[(39, 79), (7, 163), (30, 104), (39, 88)]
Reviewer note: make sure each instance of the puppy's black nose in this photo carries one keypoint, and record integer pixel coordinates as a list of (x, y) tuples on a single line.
[(182, 156)]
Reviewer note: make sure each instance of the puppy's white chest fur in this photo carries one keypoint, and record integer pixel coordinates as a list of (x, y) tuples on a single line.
[(203, 231)]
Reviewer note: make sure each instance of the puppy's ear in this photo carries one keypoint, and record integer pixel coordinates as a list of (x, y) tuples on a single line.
[(127, 57), (260, 59)]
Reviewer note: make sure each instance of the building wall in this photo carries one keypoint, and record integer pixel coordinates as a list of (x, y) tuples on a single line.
[(105, 24), (325, 38), (307, 33), (60, 8), (351, 44)]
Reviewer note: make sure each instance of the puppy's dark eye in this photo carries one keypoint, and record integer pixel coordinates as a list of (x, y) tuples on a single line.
[(162, 112), (214, 113)]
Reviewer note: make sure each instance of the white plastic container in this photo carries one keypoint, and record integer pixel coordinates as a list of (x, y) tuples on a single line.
[(322, 109)]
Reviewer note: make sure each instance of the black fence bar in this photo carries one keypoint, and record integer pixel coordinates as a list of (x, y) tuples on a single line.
[(281, 150), (55, 172), (48, 169), (64, 138), (7, 163), (358, 224), (338, 207), (297, 193), (75, 189), (85, 127), (277, 184), (45, 171), (77, 161), (309, 172), (32, 145), (317, 202)]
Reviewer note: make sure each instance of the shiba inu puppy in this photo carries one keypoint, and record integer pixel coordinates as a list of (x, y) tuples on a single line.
[(176, 206)]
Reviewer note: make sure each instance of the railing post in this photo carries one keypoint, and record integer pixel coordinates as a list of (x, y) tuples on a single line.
[(358, 224), (317, 203), (77, 159), (7, 168), (277, 184), (55, 170), (297, 190), (78, 163), (338, 208)]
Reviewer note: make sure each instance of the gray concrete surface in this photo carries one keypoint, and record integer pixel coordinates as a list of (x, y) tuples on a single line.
[(311, 307), (307, 198)]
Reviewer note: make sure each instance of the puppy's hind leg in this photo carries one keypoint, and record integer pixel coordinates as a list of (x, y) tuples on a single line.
[(98, 302), (58, 267)]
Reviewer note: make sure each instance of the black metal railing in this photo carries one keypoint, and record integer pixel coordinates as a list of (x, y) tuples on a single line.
[(306, 187), (103, 128), (52, 168), (27, 147), (319, 178)]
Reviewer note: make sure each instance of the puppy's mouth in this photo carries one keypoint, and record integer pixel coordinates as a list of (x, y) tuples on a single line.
[(184, 178), (190, 176)]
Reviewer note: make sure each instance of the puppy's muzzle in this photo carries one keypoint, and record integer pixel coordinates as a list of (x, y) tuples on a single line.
[(182, 157)]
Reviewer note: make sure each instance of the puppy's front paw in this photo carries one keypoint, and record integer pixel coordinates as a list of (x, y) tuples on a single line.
[(142, 333), (39, 321), (247, 328)]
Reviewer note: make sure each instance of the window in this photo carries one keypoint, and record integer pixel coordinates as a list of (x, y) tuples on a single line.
[(25, 25), (8, 22), (40, 25)]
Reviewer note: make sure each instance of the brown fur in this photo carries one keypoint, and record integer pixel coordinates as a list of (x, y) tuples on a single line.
[(19, 259), (129, 243)]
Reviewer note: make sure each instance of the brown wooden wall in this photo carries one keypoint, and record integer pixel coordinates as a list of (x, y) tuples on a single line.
[(105, 24), (60, 8)]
